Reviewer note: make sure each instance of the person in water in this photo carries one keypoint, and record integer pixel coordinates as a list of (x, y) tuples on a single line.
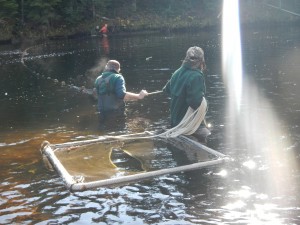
[(111, 91), (187, 86), (104, 30)]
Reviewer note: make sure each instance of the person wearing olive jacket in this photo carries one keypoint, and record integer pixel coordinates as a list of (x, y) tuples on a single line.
[(187, 85)]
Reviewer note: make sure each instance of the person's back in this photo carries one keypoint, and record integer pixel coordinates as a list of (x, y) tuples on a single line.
[(110, 88), (186, 86), (109, 98), (111, 91)]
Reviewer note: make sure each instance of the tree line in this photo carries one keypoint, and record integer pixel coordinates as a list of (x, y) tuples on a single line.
[(53, 14), (55, 17)]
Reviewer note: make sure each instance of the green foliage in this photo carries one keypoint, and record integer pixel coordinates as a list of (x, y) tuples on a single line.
[(9, 9), (56, 13), (42, 12), (64, 17)]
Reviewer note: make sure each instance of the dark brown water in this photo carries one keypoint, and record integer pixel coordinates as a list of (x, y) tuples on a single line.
[(39, 101)]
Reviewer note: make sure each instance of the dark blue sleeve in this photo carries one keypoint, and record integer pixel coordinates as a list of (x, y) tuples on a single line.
[(120, 88)]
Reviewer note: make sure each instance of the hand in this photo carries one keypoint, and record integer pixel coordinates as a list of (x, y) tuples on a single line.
[(142, 94)]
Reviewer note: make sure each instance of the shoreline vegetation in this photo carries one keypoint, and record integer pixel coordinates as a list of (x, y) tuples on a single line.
[(132, 19)]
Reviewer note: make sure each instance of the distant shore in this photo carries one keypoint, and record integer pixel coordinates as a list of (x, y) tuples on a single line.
[(258, 15)]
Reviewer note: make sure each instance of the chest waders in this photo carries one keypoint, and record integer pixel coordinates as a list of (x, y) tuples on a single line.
[(108, 101)]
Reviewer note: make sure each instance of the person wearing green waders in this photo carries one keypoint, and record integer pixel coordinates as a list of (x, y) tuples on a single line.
[(111, 91), (187, 87)]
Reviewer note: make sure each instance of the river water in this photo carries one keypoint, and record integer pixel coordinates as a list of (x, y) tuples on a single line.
[(40, 100)]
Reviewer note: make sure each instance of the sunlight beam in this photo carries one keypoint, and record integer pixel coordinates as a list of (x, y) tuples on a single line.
[(231, 52)]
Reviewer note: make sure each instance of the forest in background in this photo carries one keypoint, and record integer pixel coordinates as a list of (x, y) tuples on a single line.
[(40, 19)]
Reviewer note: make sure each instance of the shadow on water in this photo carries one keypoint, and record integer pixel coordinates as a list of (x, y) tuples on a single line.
[(41, 102)]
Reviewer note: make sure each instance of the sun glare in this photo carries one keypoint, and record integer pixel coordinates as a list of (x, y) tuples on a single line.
[(262, 130), (231, 51)]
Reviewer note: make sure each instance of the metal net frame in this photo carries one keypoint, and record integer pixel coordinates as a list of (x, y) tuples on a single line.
[(75, 183)]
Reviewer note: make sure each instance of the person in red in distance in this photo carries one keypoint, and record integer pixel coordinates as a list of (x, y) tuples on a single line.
[(104, 30)]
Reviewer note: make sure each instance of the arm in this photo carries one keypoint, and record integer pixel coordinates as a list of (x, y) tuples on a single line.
[(95, 89), (132, 96), (128, 96), (95, 95)]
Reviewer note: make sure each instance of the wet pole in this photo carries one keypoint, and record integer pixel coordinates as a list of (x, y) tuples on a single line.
[(155, 92)]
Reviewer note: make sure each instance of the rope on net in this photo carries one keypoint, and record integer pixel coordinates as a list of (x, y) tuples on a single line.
[(190, 122)]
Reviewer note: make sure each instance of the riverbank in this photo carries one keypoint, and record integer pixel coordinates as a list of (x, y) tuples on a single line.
[(138, 24), (251, 14)]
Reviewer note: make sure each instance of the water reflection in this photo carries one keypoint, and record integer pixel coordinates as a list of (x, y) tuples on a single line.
[(105, 45)]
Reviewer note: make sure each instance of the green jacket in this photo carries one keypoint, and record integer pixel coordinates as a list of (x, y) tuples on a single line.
[(186, 88)]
